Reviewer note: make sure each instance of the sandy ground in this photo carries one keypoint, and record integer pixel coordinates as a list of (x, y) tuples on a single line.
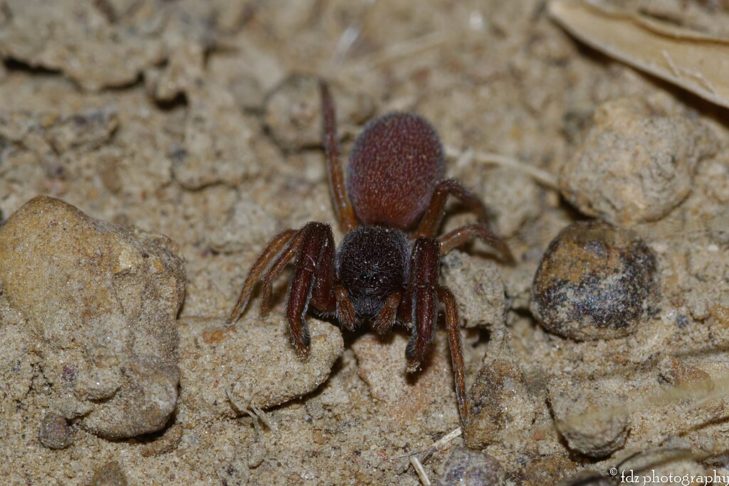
[(200, 121)]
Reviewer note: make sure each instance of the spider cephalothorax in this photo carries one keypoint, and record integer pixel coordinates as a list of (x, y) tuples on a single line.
[(372, 264), (385, 271)]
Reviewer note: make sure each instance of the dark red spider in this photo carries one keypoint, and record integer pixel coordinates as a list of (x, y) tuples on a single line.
[(386, 269)]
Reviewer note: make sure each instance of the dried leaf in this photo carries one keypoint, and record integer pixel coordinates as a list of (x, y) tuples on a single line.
[(693, 60)]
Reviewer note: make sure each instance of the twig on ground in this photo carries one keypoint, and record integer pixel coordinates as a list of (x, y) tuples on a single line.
[(418, 466), (543, 177)]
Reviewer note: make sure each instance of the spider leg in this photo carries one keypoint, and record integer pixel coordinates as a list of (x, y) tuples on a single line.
[(422, 299), (431, 219), (274, 248), (276, 268), (323, 297), (313, 282), (455, 348), (342, 205), (464, 234)]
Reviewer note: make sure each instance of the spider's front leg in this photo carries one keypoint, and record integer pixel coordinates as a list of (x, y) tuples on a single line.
[(313, 283), (420, 307)]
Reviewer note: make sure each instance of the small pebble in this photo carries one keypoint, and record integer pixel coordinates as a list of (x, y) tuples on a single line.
[(233, 472), (589, 417), (500, 405), (466, 467), (55, 433), (595, 281), (599, 437)]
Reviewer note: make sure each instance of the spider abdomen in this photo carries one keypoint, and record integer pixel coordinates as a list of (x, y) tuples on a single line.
[(393, 169), (372, 264)]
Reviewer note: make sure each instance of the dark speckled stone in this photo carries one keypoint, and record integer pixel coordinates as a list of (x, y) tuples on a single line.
[(595, 281)]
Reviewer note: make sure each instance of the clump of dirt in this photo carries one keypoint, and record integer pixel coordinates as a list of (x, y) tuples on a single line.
[(100, 303), (638, 160)]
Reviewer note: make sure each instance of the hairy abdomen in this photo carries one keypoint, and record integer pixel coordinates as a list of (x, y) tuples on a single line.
[(394, 167)]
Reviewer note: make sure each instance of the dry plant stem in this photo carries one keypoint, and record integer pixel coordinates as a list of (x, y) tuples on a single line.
[(263, 417), (689, 59), (406, 49), (418, 466), (256, 413), (442, 443), (439, 445), (541, 176)]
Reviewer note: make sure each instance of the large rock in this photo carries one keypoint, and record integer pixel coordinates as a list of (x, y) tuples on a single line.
[(101, 301), (637, 162)]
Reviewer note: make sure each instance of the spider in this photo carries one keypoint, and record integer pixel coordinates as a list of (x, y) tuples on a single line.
[(385, 271)]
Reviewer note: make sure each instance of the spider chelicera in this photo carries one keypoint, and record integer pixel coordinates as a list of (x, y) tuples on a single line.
[(385, 271)]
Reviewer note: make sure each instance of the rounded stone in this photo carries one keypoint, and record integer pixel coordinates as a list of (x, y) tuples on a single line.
[(589, 418), (55, 433), (598, 437), (595, 281), (471, 468), (637, 162)]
